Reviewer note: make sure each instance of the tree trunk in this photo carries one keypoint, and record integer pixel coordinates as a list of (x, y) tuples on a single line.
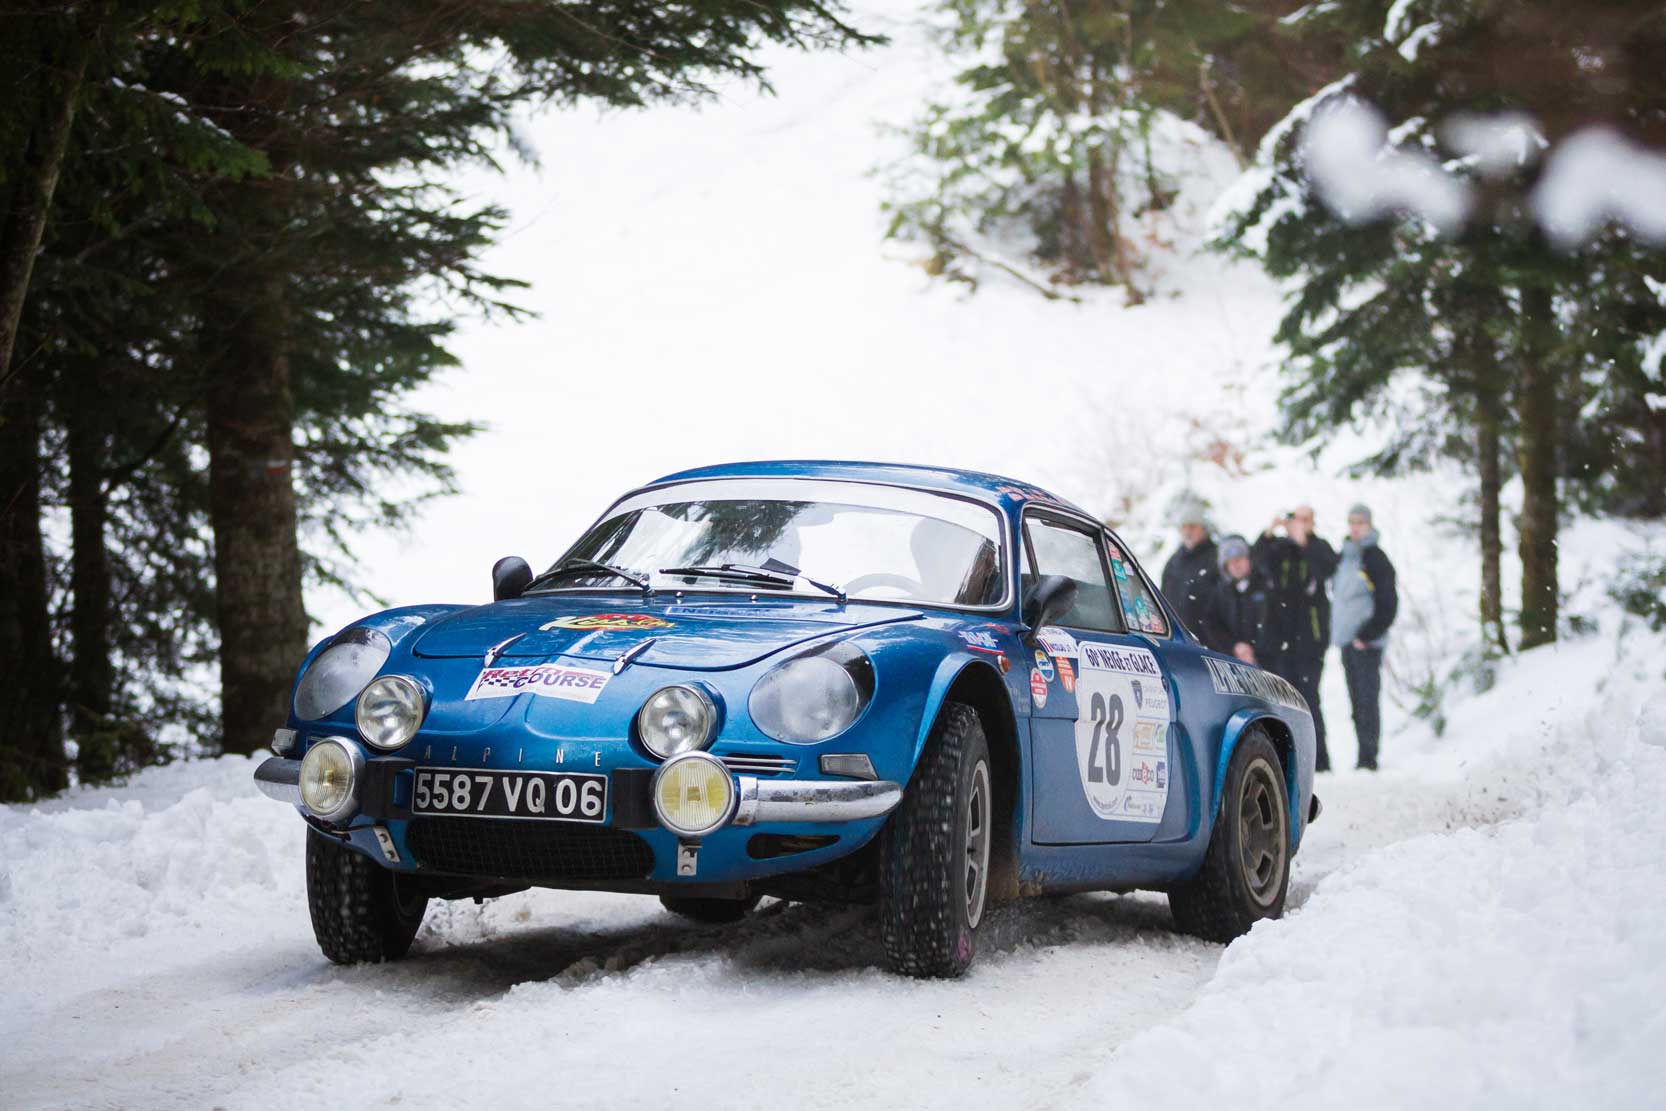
[(1537, 462), (32, 760), (1487, 421), (23, 226), (257, 562), (92, 678)]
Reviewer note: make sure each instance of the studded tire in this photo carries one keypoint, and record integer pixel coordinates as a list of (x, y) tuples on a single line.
[(1246, 871), (927, 922), (713, 912), (360, 914)]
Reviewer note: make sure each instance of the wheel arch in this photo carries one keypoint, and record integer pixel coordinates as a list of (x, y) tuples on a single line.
[(1284, 743), (977, 684)]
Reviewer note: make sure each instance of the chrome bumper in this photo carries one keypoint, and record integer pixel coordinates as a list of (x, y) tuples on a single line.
[(280, 778), (761, 800), (813, 800)]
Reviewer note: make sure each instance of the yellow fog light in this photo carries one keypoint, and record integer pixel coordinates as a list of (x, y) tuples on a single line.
[(330, 774), (693, 794)]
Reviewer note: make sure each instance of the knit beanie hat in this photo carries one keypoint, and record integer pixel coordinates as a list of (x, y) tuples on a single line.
[(1231, 548), (1360, 509)]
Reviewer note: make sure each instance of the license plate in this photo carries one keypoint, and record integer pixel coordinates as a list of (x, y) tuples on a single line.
[(478, 793)]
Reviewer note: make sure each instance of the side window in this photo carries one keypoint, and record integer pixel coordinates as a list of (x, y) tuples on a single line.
[(1059, 549), (1139, 601)]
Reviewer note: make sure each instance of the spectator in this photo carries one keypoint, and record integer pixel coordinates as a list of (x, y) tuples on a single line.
[(1365, 602), (1236, 621), (1299, 566), (1189, 575)]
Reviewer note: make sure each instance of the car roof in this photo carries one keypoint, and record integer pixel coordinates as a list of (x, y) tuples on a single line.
[(1011, 493)]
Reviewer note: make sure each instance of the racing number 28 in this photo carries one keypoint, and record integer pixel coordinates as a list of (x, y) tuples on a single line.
[(1107, 719)]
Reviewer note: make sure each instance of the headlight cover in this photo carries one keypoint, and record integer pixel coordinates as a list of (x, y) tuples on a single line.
[(391, 710), (340, 672), (329, 779), (677, 719), (693, 794), (813, 697)]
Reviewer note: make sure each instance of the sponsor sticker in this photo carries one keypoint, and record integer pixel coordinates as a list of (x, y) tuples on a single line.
[(1056, 640), (575, 684), (980, 640), (1232, 677), (1122, 729), (1038, 689), (593, 621), (1067, 675), (1043, 665)]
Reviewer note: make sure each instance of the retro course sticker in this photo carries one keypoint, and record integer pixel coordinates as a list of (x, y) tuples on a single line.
[(575, 684), (1122, 725), (593, 621)]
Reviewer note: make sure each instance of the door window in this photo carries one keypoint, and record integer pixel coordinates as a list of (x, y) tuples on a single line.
[(1060, 549)]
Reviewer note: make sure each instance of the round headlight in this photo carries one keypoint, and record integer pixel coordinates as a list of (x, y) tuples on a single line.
[(808, 699), (390, 711), (329, 779), (340, 672), (693, 794), (676, 719)]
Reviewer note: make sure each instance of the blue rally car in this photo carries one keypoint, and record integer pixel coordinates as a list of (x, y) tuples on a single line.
[(926, 689)]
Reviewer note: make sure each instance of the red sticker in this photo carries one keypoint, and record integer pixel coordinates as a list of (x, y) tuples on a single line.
[(1038, 689), (1067, 674)]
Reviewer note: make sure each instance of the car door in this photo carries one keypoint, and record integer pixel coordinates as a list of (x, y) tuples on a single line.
[(1100, 704)]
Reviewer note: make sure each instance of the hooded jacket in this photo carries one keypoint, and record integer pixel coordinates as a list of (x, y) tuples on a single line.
[(1299, 575), (1238, 613), (1364, 598)]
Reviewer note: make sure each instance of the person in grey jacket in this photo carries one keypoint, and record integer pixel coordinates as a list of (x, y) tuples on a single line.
[(1363, 604)]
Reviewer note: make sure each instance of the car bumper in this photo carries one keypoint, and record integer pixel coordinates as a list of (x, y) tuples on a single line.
[(771, 801)]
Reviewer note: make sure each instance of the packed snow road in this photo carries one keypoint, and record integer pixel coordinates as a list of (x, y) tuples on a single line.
[(1503, 883)]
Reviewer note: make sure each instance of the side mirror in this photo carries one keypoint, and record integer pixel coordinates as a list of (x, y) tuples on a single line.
[(1049, 600), (510, 577)]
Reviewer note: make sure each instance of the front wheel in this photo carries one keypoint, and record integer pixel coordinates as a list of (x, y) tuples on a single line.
[(1246, 871), (361, 912), (934, 860)]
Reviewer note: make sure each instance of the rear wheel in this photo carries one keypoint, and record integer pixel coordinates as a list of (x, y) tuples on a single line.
[(934, 860), (1246, 871), (711, 911), (361, 912)]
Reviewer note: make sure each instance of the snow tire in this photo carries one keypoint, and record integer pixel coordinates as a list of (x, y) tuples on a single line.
[(713, 912), (1230, 894), (927, 922), (358, 913)]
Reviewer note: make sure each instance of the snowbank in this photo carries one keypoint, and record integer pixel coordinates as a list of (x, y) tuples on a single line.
[(1518, 965)]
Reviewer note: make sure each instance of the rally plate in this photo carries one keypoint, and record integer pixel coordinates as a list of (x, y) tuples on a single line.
[(484, 793)]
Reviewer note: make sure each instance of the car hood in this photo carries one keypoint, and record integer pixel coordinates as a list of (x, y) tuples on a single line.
[(709, 635)]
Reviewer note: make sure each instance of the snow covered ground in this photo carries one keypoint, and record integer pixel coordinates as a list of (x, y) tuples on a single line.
[(1479, 925)]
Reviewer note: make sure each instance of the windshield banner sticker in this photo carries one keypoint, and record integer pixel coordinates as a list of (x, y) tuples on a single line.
[(1122, 727), (593, 621), (575, 684), (1231, 677)]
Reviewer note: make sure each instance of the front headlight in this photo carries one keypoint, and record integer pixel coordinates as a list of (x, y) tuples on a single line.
[(693, 794), (676, 719), (390, 711), (329, 779), (813, 697), (340, 672)]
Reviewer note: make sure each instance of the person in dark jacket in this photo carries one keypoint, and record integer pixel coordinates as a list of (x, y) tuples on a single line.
[(1190, 573), (1237, 621), (1299, 565), (1364, 602)]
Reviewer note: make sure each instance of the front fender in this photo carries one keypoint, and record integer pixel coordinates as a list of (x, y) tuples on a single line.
[(949, 670)]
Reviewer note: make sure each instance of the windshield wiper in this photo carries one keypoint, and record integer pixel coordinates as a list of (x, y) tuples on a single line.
[(782, 575), (580, 565)]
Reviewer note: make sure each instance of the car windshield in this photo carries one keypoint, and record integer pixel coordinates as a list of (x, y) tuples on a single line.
[(794, 535)]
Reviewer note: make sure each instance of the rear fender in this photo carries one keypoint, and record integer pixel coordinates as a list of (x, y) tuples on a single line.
[(1236, 726)]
